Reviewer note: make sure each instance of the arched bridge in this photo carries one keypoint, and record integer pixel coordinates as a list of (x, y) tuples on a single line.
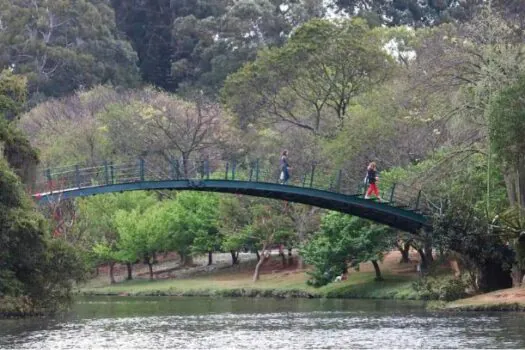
[(314, 187)]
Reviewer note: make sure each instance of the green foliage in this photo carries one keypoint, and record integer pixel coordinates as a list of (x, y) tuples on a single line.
[(33, 267), (344, 239), (441, 288), (12, 94), (64, 45), (338, 61), (98, 223), (418, 13)]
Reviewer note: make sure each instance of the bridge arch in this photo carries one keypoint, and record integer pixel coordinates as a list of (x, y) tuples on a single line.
[(399, 218)]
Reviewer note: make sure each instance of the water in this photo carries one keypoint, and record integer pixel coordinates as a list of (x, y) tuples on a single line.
[(203, 323)]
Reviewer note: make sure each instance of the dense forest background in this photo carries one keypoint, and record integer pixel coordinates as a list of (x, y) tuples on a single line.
[(430, 90)]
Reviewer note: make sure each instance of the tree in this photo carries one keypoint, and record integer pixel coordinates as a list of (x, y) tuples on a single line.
[(462, 228), (13, 91), (98, 218), (269, 227), (421, 13), (34, 269), (194, 45), (65, 45), (234, 218), (73, 123), (338, 61), (139, 238), (344, 240), (507, 135), (163, 126)]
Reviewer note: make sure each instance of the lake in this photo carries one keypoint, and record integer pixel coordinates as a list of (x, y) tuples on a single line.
[(256, 323)]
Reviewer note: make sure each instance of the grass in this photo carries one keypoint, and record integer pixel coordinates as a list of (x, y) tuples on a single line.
[(512, 299), (291, 284)]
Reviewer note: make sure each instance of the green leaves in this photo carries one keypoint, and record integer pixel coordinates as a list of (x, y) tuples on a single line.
[(309, 82), (344, 240), (64, 45)]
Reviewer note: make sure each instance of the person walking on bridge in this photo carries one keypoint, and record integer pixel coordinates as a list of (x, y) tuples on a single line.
[(284, 167), (372, 181)]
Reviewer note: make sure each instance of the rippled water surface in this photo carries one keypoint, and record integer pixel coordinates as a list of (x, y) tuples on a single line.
[(202, 323)]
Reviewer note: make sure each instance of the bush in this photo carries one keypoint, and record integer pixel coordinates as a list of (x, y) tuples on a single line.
[(441, 288)]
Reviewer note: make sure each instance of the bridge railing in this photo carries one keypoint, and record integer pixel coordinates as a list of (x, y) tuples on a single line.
[(307, 176)]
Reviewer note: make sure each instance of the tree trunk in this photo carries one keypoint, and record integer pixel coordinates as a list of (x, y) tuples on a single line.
[(300, 263), (235, 257), (424, 261), (283, 257), (210, 258), (150, 266), (517, 276), (257, 254), (290, 257), (377, 270), (428, 253), (405, 253), (188, 261), (262, 260), (130, 271), (111, 276)]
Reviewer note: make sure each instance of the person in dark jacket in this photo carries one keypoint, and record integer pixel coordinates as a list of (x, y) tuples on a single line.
[(372, 181)]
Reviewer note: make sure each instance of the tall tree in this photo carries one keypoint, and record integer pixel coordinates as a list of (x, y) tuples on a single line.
[(195, 44), (418, 13), (64, 45), (310, 82)]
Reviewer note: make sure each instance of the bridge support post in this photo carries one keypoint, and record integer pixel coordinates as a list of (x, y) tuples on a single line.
[(226, 172), (141, 169), (251, 172), (391, 201), (304, 180), (106, 172), (234, 165), (257, 170), (77, 176), (207, 168)]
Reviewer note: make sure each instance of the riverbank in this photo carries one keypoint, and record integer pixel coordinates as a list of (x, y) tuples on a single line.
[(275, 281), (281, 285), (512, 299)]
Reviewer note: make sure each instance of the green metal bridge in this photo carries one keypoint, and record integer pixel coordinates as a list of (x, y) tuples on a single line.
[(313, 185)]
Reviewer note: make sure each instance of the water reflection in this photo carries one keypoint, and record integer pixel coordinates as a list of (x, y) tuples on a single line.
[(164, 323)]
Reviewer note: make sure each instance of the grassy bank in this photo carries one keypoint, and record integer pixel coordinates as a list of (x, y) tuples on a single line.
[(512, 299), (286, 284)]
